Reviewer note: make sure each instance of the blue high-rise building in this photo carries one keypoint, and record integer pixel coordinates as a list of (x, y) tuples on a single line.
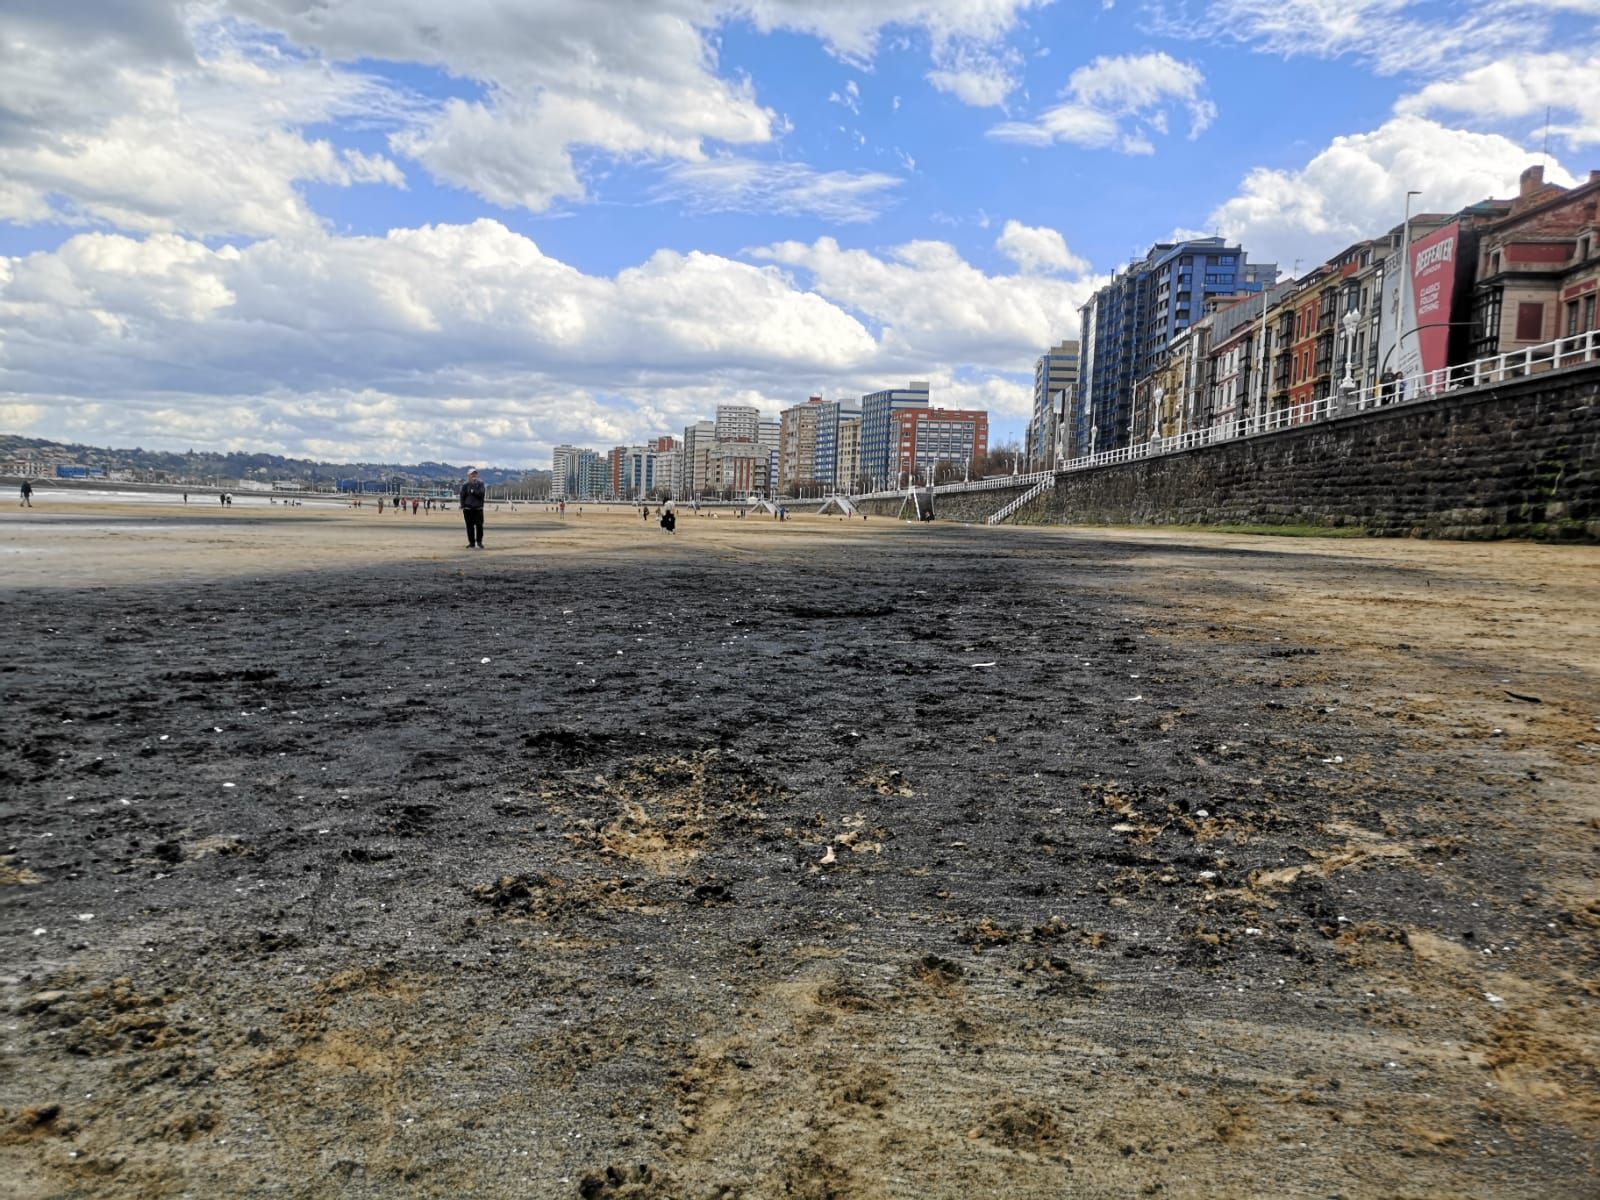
[(876, 436), (1127, 323), (829, 414)]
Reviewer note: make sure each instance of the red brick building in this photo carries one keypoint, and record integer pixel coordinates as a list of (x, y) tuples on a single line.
[(923, 438), (1305, 344), (1539, 267)]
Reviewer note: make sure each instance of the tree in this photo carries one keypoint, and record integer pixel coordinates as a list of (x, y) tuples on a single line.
[(1000, 460)]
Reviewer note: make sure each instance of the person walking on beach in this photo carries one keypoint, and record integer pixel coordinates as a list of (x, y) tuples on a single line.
[(27, 495), (472, 509)]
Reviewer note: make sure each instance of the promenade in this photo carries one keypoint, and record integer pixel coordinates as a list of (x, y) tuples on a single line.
[(815, 858)]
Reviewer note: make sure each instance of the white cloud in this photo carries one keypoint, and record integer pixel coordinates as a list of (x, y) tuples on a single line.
[(1520, 88), (788, 189), (851, 28), (979, 76), (630, 80), (635, 84), (196, 118), (1114, 103), (1392, 35), (1355, 188), (457, 340), (931, 306), (209, 143), (1000, 395), (1037, 250)]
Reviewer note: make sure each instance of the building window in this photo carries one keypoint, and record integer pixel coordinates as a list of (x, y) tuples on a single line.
[(1572, 317), (1588, 312), (1530, 322), (1583, 248), (1487, 315), (1494, 263)]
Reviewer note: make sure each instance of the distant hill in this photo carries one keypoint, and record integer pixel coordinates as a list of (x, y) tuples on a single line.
[(161, 465)]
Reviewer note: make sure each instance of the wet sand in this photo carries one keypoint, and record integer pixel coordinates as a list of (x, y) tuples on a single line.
[(814, 859)]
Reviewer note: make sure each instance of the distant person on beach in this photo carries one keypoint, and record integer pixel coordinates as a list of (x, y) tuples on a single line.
[(27, 495), (380, 505), (186, 497), (472, 509)]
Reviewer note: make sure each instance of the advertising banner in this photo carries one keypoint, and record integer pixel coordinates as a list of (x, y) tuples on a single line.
[(1433, 282), (1392, 320)]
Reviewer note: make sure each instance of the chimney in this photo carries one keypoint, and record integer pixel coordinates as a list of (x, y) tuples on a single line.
[(1532, 181)]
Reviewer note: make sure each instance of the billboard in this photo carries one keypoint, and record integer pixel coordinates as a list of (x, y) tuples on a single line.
[(1390, 322), (1431, 276)]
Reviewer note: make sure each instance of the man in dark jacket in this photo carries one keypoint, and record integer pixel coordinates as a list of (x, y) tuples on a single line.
[(472, 509)]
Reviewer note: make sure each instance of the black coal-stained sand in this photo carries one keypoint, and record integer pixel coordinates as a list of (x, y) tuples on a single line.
[(688, 874)]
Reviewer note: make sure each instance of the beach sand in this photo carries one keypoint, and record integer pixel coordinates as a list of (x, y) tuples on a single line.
[(822, 858)]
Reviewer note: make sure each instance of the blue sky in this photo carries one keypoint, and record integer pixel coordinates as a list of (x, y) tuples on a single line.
[(395, 229)]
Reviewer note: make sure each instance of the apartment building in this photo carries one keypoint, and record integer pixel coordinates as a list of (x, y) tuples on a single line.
[(1055, 378), (936, 444), (1538, 267), (878, 447), (738, 423), (832, 416), (1132, 320), (797, 440)]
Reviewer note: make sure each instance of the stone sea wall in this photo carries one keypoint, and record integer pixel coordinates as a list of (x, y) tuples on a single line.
[(1519, 459)]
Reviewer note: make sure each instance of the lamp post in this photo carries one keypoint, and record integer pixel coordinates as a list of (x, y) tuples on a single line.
[(1408, 304), (1347, 386)]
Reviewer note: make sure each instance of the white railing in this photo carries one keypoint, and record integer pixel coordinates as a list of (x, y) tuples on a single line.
[(1033, 493), (1581, 349), (993, 483)]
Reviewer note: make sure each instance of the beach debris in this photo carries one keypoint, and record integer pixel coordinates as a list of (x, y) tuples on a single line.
[(1526, 699), (983, 664)]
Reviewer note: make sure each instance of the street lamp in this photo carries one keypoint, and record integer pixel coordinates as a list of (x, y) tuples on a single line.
[(1408, 303), (1347, 386)]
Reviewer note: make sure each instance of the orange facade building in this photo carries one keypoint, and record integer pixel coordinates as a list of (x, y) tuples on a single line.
[(924, 438)]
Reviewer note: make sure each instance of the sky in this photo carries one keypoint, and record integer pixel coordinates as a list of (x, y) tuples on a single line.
[(406, 230)]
